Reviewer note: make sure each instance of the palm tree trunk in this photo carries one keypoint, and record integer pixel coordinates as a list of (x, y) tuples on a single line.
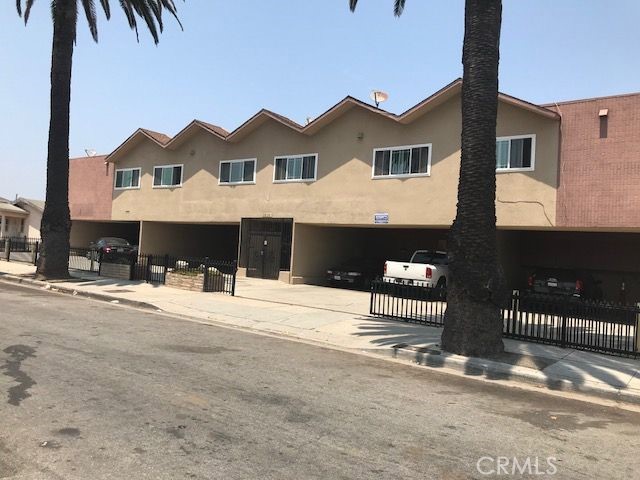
[(473, 325), (56, 220)]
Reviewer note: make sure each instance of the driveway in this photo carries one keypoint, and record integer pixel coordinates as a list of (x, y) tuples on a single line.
[(333, 299)]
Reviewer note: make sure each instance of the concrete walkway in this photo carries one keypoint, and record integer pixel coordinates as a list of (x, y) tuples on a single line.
[(339, 319)]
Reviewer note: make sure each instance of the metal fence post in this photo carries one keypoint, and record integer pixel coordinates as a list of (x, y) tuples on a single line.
[(563, 331), (637, 335), (36, 249), (373, 286), (205, 279), (148, 268), (166, 267), (233, 285), (7, 249)]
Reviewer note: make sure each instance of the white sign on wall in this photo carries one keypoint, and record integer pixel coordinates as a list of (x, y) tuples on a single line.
[(380, 218)]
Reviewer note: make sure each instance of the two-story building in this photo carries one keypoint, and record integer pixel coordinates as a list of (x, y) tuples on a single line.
[(291, 200)]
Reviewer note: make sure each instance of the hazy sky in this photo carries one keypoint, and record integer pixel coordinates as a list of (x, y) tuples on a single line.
[(297, 58)]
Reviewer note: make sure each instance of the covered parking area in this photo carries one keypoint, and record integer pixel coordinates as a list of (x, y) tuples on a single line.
[(318, 248), (218, 241), (612, 258), (84, 232)]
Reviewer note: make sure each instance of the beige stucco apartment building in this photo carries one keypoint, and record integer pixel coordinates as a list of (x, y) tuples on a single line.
[(289, 201)]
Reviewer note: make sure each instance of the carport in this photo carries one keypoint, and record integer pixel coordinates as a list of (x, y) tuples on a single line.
[(613, 258), (83, 232), (318, 248), (218, 241)]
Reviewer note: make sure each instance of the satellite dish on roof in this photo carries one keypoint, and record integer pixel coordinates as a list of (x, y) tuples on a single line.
[(378, 96), (90, 152)]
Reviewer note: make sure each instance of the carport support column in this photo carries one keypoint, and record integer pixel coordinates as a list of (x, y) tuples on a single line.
[(140, 238), (3, 225), (637, 327)]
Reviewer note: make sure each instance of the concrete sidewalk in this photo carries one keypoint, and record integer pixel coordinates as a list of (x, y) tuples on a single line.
[(338, 319)]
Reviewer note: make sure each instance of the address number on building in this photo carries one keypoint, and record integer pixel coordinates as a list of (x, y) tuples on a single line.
[(379, 218)]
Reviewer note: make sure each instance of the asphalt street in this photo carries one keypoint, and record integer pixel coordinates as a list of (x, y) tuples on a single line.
[(90, 390)]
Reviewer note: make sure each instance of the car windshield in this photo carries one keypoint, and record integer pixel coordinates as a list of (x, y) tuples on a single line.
[(561, 275), (422, 257), (115, 241)]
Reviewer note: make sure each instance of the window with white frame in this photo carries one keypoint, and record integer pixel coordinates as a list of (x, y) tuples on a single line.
[(127, 178), (296, 168), (516, 153), (167, 176), (410, 160), (237, 171)]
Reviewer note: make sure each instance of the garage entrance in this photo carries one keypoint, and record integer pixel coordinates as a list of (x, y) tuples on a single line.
[(85, 232), (319, 248), (217, 241), (265, 246)]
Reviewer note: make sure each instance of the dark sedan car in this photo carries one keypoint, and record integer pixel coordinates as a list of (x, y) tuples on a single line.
[(356, 273), (112, 245), (568, 283)]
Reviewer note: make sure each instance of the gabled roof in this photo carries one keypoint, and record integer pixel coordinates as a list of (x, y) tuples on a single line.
[(336, 111), (37, 204), (12, 210)]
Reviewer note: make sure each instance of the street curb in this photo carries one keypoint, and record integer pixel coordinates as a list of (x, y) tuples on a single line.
[(429, 357), (75, 292), (492, 370)]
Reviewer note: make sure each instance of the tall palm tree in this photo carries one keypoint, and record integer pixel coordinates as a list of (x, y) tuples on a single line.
[(56, 220), (475, 289)]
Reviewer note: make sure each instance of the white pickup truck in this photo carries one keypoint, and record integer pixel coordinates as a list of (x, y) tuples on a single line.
[(426, 268)]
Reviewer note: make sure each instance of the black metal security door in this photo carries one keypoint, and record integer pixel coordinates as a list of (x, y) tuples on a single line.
[(264, 255)]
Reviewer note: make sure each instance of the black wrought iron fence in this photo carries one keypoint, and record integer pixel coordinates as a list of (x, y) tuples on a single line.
[(84, 259), (573, 322), (406, 302), (20, 249), (194, 273), (564, 321)]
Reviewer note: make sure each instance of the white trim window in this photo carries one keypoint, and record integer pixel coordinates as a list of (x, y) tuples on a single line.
[(126, 179), (295, 168), (516, 153), (404, 161), (167, 176), (234, 172)]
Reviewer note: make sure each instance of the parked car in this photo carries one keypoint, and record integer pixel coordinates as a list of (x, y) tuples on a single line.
[(426, 268), (567, 283), (112, 245), (356, 272)]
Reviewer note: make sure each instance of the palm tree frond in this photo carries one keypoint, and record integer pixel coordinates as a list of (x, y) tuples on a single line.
[(147, 11), (90, 12), (150, 11), (170, 6), (131, 18), (27, 9), (398, 7), (107, 8), (352, 5)]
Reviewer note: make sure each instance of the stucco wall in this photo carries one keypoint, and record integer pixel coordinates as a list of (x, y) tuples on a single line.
[(344, 193), (31, 227), (90, 188)]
